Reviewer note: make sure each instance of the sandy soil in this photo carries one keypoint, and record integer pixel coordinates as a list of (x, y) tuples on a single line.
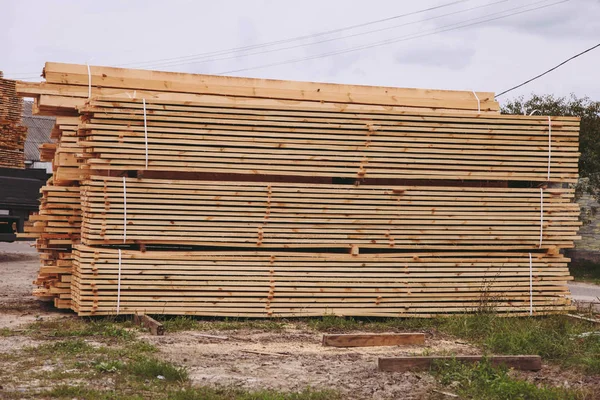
[(19, 264), (295, 359)]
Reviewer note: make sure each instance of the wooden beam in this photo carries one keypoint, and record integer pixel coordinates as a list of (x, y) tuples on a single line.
[(155, 327), (374, 339)]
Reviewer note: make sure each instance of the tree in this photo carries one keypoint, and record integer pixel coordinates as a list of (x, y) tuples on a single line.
[(589, 134)]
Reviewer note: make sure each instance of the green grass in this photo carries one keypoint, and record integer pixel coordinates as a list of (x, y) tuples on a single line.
[(83, 327), (585, 271), (69, 347), (552, 337), (207, 393), (483, 381), (188, 323), (82, 392), (149, 368), (187, 393), (6, 332)]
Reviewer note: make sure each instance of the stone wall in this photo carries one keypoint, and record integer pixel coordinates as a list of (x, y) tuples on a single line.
[(588, 248)]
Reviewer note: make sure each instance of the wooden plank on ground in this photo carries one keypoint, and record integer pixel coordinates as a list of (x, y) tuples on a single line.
[(155, 327), (373, 339)]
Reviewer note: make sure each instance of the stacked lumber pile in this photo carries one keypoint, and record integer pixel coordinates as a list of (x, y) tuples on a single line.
[(12, 133), (207, 195)]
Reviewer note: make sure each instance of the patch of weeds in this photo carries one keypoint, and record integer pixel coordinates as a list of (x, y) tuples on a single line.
[(241, 323), (149, 368), (178, 323), (6, 332), (585, 271), (188, 323), (107, 366), (332, 323), (69, 347), (556, 338), (484, 381), (207, 393), (84, 327), (139, 346), (81, 392)]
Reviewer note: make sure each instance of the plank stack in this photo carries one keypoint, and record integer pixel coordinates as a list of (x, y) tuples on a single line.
[(12, 133), (209, 195)]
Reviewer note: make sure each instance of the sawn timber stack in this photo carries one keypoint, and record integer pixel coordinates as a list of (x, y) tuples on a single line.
[(209, 195), (12, 132)]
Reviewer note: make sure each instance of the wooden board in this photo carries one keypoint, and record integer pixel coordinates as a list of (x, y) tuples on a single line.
[(374, 339)]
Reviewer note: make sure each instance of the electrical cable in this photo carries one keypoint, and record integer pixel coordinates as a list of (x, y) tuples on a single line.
[(194, 62), (446, 28), (303, 37), (548, 71)]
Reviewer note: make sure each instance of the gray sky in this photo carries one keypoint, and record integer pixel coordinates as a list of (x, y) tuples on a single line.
[(490, 56)]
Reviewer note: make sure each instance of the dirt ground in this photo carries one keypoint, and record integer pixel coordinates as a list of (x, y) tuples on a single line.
[(288, 360), (19, 264), (295, 359)]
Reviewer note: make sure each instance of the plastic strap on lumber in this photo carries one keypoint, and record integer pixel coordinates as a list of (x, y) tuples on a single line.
[(119, 285), (478, 102), (124, 210), (89, 81), (530, 285), (145, 131), (541, 215), (549, 145)]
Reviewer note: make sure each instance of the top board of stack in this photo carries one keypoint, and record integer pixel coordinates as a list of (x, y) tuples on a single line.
[(12, 133), (194, 194)]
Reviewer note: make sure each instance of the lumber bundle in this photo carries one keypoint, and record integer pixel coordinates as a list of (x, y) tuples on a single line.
[(208, 195), (12, 133), (258, 284), (188, 137), (69, 86), (57, 225), (280, 215)]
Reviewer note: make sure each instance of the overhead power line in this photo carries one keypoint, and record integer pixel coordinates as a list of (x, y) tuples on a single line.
[(236, 56), (297, 38), (446, 28), (548, 71)]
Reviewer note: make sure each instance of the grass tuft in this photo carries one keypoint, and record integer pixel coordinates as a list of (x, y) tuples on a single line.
[(483, 381), (84, 327), (556, 338), (208, 393), (68, 347), (149, 368), (188, 323)]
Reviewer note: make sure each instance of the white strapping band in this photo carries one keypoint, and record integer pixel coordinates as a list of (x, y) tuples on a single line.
[(89, 81), (145, 131), (541, 215), (119, 285), (124, 210), (478, 102), (530, 285), (549, 145)]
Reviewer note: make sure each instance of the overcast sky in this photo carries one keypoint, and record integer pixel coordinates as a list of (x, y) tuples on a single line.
[(429, 49)]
